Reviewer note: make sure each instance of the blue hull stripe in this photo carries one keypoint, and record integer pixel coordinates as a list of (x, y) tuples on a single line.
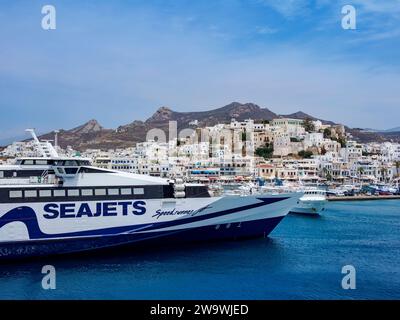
[(27, 216)]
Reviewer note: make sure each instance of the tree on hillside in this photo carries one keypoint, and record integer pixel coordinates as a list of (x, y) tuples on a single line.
[(305, 154), (308, 125), (327, 133), (266, 151)]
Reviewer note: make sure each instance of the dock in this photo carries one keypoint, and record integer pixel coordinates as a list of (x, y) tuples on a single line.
[(363, 198)]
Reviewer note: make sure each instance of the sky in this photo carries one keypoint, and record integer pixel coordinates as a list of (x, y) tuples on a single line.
[(119, 61)]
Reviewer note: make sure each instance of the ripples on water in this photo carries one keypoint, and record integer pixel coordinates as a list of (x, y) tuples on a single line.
[(302, 259)]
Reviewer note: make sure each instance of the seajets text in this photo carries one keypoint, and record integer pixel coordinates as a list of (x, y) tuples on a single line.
[(105, 209)]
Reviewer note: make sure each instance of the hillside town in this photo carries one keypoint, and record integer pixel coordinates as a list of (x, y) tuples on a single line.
[(287, 149)]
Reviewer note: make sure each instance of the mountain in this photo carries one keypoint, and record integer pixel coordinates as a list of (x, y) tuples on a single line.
[(301, 115), (397, 129), (93, 135), (235, 110)]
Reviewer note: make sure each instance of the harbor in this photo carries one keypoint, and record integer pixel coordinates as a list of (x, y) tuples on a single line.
[(195, 156), (364, 198)]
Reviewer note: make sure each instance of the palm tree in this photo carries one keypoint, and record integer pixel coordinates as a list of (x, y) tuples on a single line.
[(384, 171), (397, 164), (360, 171)]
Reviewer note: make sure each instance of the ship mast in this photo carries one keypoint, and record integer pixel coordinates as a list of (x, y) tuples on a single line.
[(45, 147)]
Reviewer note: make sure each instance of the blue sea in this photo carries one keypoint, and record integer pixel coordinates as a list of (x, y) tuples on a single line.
[(302, 259)]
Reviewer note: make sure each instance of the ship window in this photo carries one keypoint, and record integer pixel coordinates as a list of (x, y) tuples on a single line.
[(113, 192), (73, 192), (70, 163), (138, 191), (44, 193), (100, 192), (15, 194), (87, 192), (126, 191), (28, 162), (71, 170), (1, 174), (30, 193), (59, 193), (41, 162), (60, 171)]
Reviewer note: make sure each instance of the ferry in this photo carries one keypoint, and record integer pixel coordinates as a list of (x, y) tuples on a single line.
[(311, 203), (57, 205)]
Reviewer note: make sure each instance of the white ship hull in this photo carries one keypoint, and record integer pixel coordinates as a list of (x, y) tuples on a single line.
[(43, 228), (309, 207)]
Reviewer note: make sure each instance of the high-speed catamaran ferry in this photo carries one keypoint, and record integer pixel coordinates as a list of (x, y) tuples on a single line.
[(55, 205)]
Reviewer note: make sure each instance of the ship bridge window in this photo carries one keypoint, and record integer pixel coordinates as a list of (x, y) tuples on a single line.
[(59, 193), (41, 162), (59, 171), (70, 163), (44, 193), (28, 162), (30, 193), (71, 170), (100, 192), (15, 194), (73, 192)]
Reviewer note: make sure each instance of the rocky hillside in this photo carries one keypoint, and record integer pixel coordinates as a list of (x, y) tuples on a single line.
[(93, 135)]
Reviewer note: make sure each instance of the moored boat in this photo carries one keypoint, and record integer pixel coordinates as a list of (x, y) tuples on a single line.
[(311, 203)]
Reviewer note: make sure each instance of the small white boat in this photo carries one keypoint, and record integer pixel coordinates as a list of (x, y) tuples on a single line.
[(311, 203)]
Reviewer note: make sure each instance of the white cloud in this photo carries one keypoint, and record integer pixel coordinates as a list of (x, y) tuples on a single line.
[(266, 30), (288, 8)]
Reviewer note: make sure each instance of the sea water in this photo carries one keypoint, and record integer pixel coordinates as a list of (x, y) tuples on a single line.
[(301, 259)]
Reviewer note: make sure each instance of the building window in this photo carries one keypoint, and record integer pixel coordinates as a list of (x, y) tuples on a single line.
[(44, 193), (30, 193), (15, 194)]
